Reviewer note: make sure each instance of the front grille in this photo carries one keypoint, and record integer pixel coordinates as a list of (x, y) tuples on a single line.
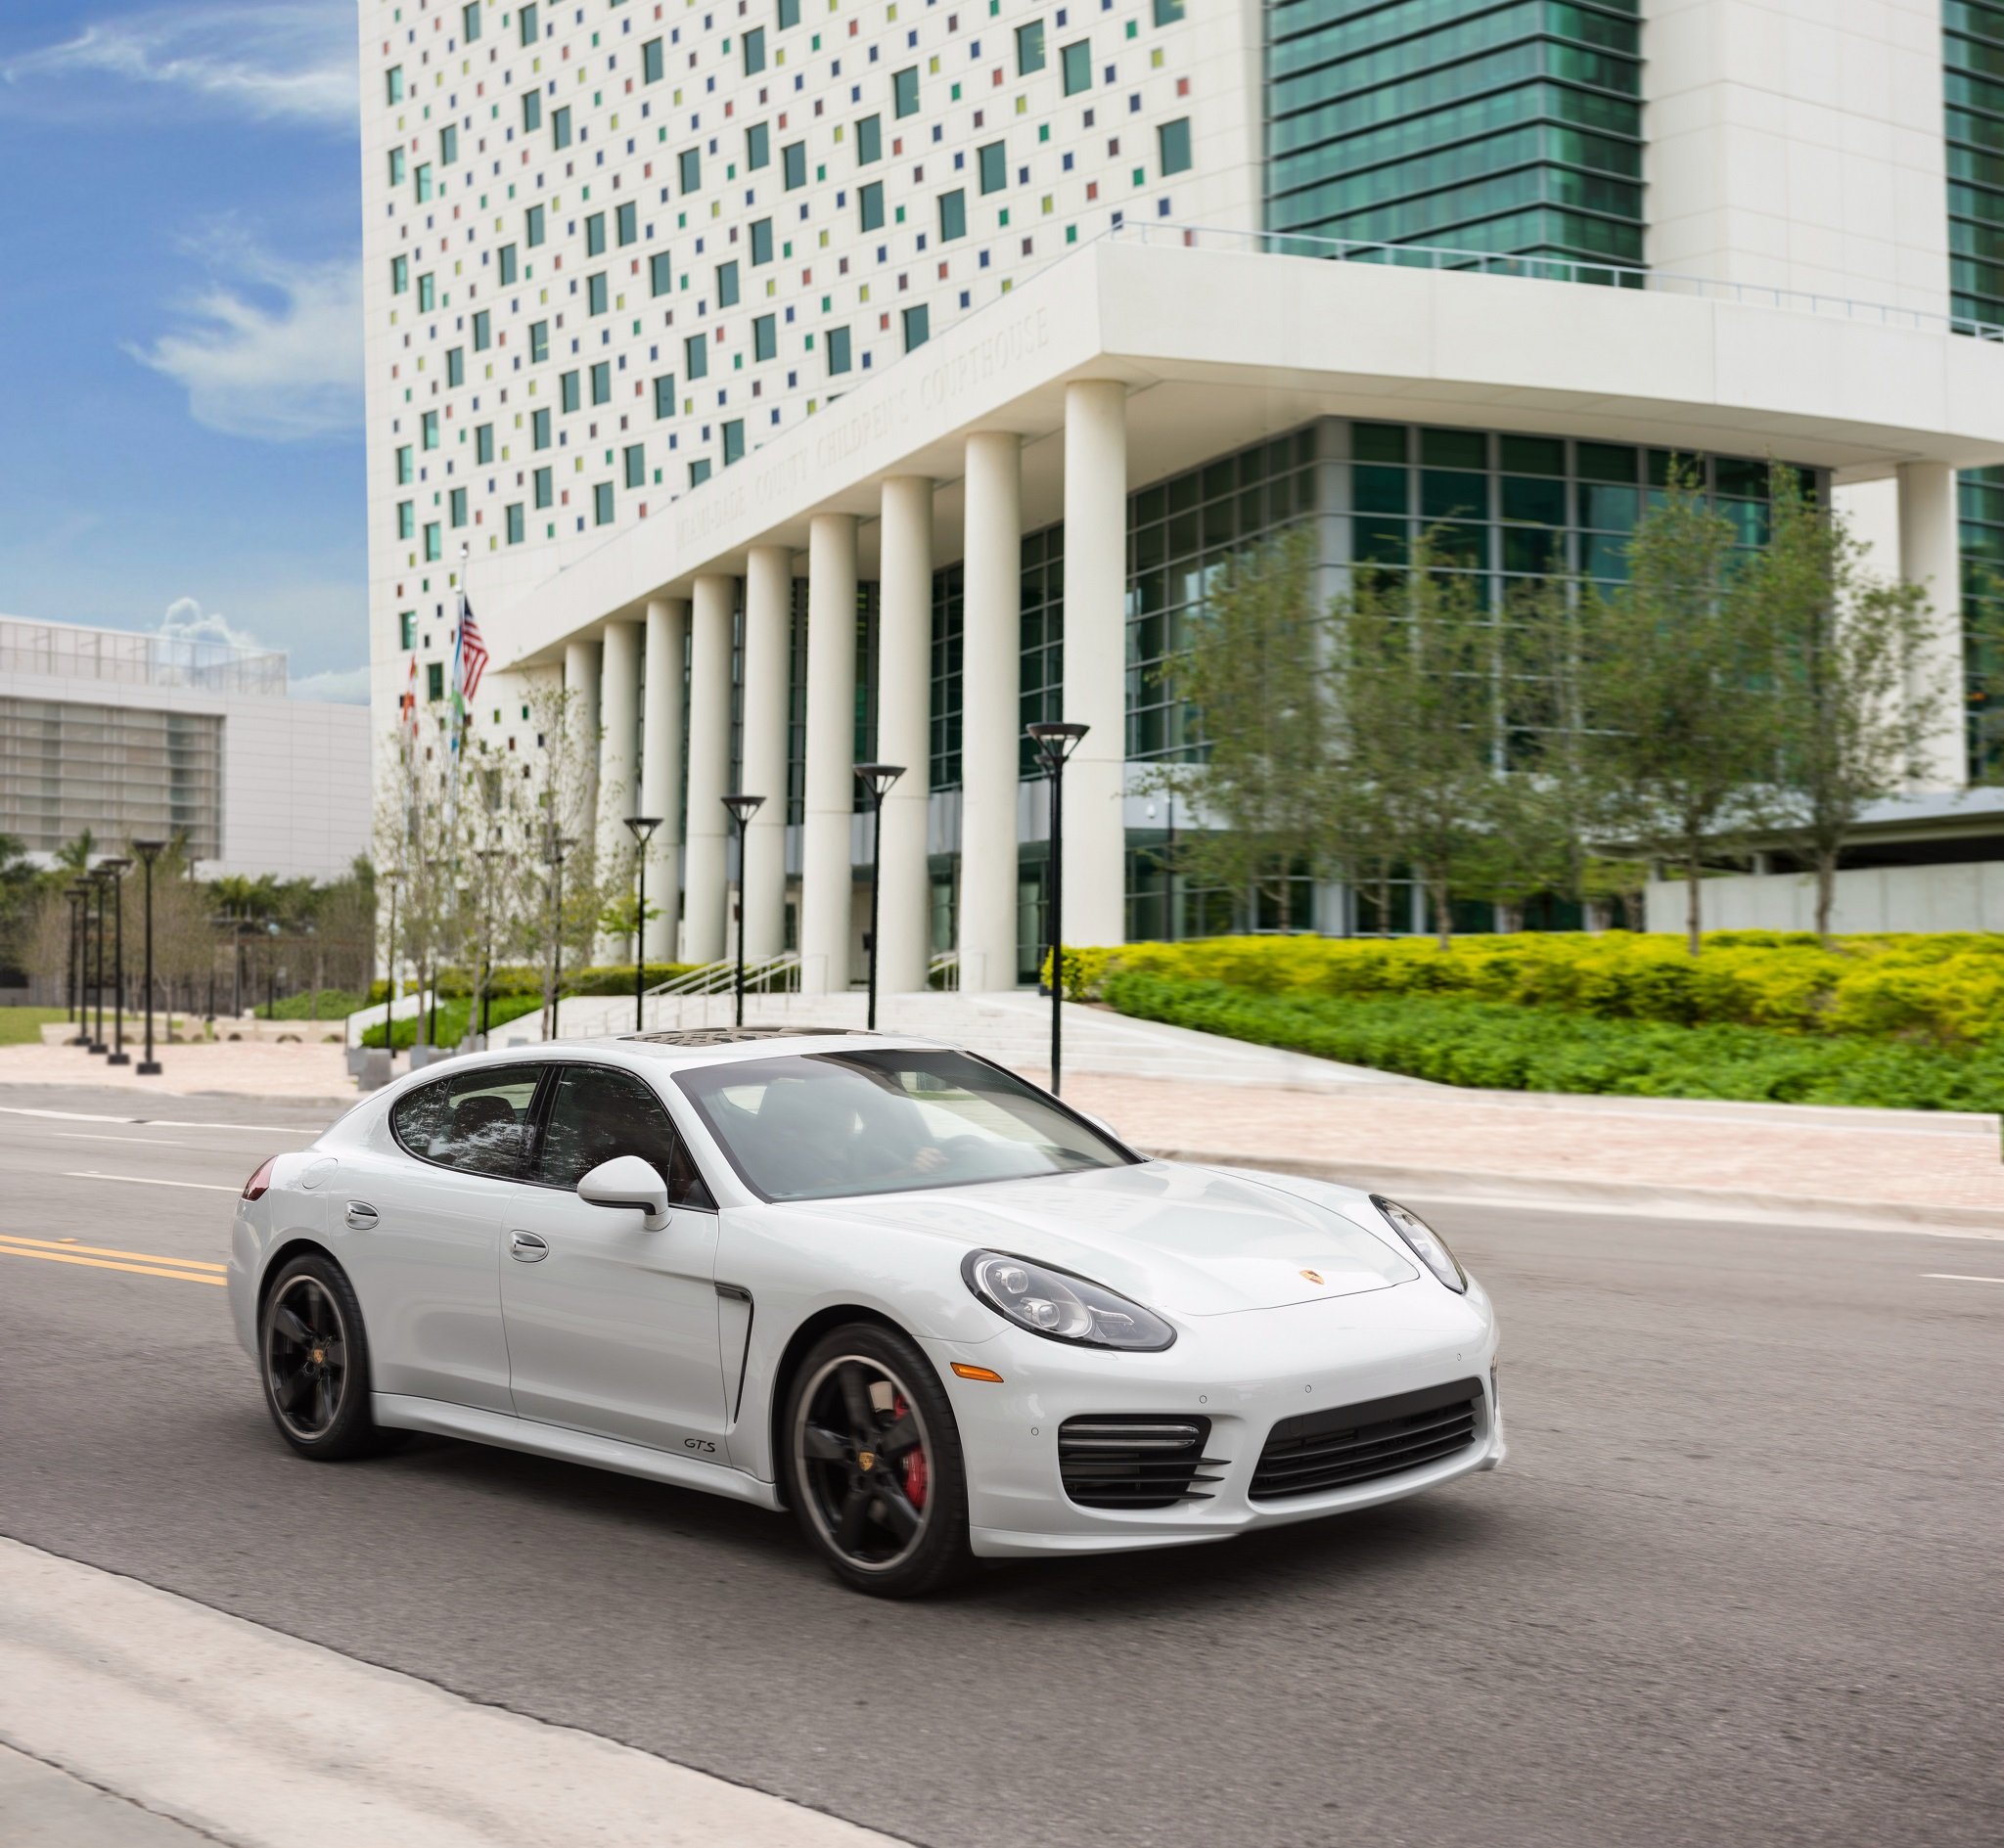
[(1315, 1450), (1115, 1460)]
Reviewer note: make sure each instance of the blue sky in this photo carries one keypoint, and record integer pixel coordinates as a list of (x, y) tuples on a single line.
[(180, 430)]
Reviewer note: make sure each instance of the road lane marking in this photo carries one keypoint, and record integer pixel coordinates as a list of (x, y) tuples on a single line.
[(1951, 1277), (92, 1136), (107, 1264), (162, 1122), (108, 1251), (151, 1180)]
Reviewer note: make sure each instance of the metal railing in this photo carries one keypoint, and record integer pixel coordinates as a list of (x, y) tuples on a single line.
[(1553, 269)]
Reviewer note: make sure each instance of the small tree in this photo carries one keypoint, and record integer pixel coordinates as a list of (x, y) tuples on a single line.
[(1416, 665), (1854, 703), (1679, 678), (1251, 671)]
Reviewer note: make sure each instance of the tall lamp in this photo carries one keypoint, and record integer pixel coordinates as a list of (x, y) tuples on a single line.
[(100, 879), (78, 894), (876, 780), (393, 880), (641, 827), (743, 808), (1056, 740), (148, 851), (116, 871), (554, 847), (488, 856)]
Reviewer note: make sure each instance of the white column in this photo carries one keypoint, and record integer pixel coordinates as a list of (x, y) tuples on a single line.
[(581, 722), (768, 611), (1096, 659), (618, 763), (710, 769), (1931, 555), (826, 874), (991, 679), (660, 768), (904, 695)]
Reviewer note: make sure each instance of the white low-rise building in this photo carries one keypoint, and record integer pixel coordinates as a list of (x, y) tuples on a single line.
[(130, 736)]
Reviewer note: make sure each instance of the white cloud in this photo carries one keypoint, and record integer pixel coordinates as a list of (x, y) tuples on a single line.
[(270, 59), (187, 621), (269, 349), (337, 687)]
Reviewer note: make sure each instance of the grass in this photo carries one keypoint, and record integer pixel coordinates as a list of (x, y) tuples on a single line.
[(23, 1026)]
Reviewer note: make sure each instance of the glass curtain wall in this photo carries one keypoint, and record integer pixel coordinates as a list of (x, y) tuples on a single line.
[(1512, 126)]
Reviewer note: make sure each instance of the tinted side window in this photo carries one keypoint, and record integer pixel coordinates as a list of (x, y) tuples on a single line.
[(597, 1113), (476, 1121)]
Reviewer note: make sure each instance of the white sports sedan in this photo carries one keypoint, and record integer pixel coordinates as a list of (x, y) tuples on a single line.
[(932, 1309)]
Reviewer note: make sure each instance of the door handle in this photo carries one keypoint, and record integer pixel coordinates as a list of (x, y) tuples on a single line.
[(526, 1247), (361, 1215)]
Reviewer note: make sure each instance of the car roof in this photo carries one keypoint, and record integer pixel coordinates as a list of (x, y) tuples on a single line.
[(692, 1047)]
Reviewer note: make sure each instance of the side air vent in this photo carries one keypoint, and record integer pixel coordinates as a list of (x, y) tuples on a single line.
[(1121, 1461)]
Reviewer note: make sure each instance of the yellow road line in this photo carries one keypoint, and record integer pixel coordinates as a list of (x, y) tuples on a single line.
[(106, 1264), (109, 1251)]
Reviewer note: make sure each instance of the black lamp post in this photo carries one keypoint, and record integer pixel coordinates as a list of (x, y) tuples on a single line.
[(554, 847), (488, 855), (116, 871), (100, 879), (641, 827), (148, 851), (77, 894), (1056, 740), (393, 880), (876, 780), (743, 808)]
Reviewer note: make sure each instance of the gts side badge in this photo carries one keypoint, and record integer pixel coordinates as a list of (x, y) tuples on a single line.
[(700, 1444)]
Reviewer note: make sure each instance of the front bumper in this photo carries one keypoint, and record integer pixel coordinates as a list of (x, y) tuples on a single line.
[(1243, 1372)]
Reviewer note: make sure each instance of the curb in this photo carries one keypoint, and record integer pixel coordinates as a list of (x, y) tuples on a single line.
[(1620, 1196)]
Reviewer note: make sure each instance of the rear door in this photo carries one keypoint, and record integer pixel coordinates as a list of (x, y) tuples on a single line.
[(612, 1329), (421, 1221)]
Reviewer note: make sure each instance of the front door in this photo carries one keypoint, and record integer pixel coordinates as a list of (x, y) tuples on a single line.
[(612, 1328)]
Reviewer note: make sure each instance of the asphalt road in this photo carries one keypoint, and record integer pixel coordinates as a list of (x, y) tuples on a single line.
[(1739, 1582)]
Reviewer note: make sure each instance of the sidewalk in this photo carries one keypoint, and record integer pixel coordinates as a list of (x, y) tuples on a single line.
[(1780, 1162)]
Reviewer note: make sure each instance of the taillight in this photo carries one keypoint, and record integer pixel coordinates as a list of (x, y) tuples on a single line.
[(253, 1188)]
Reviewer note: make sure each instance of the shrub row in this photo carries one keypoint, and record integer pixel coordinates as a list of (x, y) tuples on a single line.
[(1946, 988), (521, 978), (1494, 1045), (454, 1019)]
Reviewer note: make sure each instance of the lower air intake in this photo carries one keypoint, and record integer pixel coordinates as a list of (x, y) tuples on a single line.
[(1317, 1451), (1122, 1462)]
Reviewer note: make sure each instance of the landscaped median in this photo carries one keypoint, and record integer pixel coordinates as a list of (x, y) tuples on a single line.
[(1913, 1022)]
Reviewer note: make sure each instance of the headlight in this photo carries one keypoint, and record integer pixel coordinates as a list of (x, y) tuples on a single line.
[(1061, 1307), (1427, 1245)]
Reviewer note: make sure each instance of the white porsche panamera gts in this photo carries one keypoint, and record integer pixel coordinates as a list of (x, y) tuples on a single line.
[(891, 1286)]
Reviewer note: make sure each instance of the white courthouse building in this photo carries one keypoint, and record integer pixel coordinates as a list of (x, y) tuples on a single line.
[(824, 381)]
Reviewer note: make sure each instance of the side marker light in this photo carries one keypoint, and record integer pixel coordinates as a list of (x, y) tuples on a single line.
[(978, 1373)]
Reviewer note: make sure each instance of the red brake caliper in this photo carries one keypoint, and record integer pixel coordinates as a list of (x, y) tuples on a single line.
[(914, 1460)]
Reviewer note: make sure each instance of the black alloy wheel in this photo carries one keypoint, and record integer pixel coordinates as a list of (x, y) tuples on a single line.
[(315, 1359), (875, 1463)]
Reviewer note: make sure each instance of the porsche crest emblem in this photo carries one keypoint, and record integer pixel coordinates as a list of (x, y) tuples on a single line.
[(866, 1459), (1314, 1277)]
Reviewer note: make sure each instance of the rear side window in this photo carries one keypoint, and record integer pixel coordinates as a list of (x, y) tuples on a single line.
[(598, 1112), (475, 1121)]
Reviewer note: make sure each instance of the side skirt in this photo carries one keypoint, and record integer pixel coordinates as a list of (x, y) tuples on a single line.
[(401, 1413)]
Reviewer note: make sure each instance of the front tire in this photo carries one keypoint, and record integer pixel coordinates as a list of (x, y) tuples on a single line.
[(313, 1359), (874, 1465)]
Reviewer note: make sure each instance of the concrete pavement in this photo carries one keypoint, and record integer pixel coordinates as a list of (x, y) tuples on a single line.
[(1735, 1584)]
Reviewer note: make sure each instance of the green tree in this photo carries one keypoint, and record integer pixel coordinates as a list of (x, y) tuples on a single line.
[(1679, 680), (1855, 701)]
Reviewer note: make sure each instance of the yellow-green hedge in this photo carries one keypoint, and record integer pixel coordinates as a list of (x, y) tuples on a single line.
[(1948, 988)]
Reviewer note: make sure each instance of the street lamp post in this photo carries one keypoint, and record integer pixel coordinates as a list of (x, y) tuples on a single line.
[(1056, 740), (118, 869), (876, 780), (554, 847), (489, 855), (641, 827), (98, 881), (393, 880), (78, 893), (148, 850), (743, 808)]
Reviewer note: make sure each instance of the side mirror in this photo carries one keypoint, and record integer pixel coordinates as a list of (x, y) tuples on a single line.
[(628, 1181)]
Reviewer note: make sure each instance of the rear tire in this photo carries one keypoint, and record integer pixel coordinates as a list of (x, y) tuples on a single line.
[(313, 1361), (873, 1464)]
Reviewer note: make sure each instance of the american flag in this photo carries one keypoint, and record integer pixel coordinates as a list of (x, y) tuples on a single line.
[(472, 652), (409, 702)]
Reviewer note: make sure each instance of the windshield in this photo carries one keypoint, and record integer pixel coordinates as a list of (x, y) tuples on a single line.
[(821, 1125)]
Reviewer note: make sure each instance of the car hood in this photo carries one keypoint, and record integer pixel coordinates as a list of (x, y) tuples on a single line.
[(1197, 1242)]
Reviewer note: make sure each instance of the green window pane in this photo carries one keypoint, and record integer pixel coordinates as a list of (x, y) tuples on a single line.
[(602, 382), (635, 459), (531, 31), (428, 426), (917, 326), (1605, 462), (651, 65), (448, 145), (1532, 455), (993, 163), (571, 396), (397, 167), (904, 91), (1378, 442), (734, 441), (428, 293), (1454, 449), (533, 226), (727, 285), (1535, 500), (1375, 489), (761, 241), (664, 395), (399, 275), (952, 216), (1076, 61), (531, 111), (837, 341), (560, 127), (661, 275), (698, 471), (627, 220), (483, 445), (689, 170), (1173, 146), (540, 430), (1444, 495), (538, 341), (695, 358), (596, 295), (406, 520), (1030, 48), (455, 365), (754, 51), (455, 507), (595, 234), (870, 205), (758, 145), (392, 83), (543, 482), (869, 140), (1167, 12), (434, 542), (407, 628), (484, 331), (765, 336), (434, 672), (789, 14), (794, 164), (602, 503), (406, 466), (504, 262), (517, 528)]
